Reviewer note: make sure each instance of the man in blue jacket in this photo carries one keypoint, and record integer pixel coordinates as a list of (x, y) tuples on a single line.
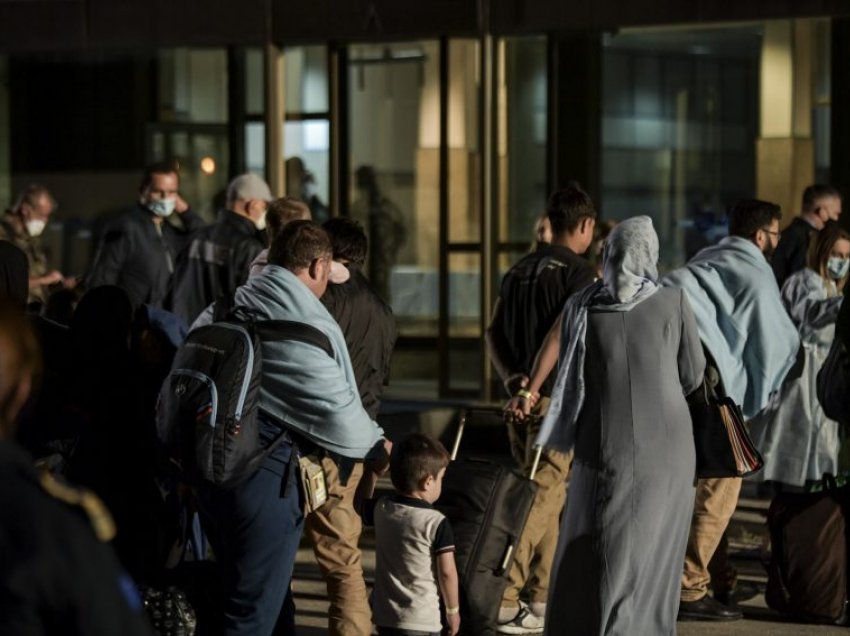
[(255, 527)]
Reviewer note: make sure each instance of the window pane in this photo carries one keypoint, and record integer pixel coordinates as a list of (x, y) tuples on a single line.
[(254, 82), (680, 116), (255, 147), (465, 322), (306, 148), (522, 136), (193, 85), (306, 79), (394, 98)]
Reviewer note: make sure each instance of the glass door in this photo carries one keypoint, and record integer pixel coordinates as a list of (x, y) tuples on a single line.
[(394, 192)]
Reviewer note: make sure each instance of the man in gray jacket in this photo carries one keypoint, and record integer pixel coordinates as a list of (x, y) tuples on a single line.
[(255, 527)]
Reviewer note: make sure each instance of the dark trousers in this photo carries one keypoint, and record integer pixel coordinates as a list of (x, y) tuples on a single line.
[(254, 530)]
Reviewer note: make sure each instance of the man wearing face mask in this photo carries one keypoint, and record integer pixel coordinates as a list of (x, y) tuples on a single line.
[(139, 250), (821, 205), (218, 258), (23, 225)]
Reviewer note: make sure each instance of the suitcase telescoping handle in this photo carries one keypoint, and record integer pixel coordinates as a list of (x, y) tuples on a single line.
[(538, 450)]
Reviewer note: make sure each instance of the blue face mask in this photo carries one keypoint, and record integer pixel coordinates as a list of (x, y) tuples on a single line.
[(837, 267), (162, 207)]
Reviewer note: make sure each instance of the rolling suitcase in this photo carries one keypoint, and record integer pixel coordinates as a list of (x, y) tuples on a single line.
[(807, 574), (488, 505)]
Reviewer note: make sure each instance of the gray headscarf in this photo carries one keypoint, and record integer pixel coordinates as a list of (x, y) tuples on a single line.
[(629, 270)]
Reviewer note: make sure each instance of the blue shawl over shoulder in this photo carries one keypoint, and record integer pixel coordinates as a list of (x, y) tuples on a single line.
[(302, 386), (742, 322)]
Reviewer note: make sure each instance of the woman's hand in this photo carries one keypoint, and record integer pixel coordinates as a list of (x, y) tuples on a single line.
[(521, 404)]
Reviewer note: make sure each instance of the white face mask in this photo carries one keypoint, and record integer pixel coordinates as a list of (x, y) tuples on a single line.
[(837, 267), (261, 222), (162, 207), (35, 227)]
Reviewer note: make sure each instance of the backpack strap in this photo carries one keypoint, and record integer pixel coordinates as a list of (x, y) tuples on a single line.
[(290, 330), (225, 308)]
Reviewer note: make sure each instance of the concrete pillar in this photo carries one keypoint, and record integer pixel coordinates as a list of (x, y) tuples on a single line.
[(785, 162)]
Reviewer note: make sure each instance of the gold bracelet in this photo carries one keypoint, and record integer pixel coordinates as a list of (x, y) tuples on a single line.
[(525, 394), (451, 611)]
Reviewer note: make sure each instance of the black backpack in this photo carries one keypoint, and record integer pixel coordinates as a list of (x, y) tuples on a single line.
[(207, 409)]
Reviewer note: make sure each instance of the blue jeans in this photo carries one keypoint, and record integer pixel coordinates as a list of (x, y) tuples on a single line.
[(255, 529)]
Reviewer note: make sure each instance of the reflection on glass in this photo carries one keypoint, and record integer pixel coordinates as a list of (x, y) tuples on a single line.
[(464, 153), (465, 295), (192, 85), (306, 79), (255, 147), (394, 98), (680, 113), (522, 126), (307, 150), (306, 134)]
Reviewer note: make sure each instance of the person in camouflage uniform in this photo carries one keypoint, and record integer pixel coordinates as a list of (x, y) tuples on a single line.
[(23, 225)]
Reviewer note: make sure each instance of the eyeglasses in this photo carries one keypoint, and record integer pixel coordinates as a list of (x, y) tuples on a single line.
[(766, 231)]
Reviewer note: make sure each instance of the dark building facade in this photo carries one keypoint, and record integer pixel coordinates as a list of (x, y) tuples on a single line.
[(441, 126)]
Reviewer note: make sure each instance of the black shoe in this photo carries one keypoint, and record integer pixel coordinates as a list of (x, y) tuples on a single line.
[(707, 609), (744, 591)]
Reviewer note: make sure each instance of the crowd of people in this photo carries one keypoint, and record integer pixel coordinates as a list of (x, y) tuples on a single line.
[(640, 541), (598, 360)]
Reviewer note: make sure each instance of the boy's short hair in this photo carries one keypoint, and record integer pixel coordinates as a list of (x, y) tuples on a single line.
[(566, 208), (414, 459), (751, 215)]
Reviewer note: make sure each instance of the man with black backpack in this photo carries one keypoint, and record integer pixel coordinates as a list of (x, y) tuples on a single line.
[(308, 402)]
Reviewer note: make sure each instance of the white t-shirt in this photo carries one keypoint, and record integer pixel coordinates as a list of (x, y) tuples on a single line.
[(409, 534)]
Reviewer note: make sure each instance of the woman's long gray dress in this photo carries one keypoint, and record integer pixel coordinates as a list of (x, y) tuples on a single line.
[(619, 561)]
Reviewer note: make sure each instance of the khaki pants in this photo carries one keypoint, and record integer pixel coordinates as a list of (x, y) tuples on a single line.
[(536, 547), (334, 531), (715, 503)]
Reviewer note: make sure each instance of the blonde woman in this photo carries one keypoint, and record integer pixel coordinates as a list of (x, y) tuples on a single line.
[(798, 441)]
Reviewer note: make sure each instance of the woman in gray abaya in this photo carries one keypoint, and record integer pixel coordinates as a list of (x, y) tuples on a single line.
[(629, 354)]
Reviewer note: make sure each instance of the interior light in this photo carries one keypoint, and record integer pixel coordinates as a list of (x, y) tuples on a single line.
[(208, 165)]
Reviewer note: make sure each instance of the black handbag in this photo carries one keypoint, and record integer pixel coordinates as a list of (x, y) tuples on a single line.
[(723, 446)]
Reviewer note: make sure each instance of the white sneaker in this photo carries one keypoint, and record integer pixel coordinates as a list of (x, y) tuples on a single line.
[(538, 609), (524, 622)]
